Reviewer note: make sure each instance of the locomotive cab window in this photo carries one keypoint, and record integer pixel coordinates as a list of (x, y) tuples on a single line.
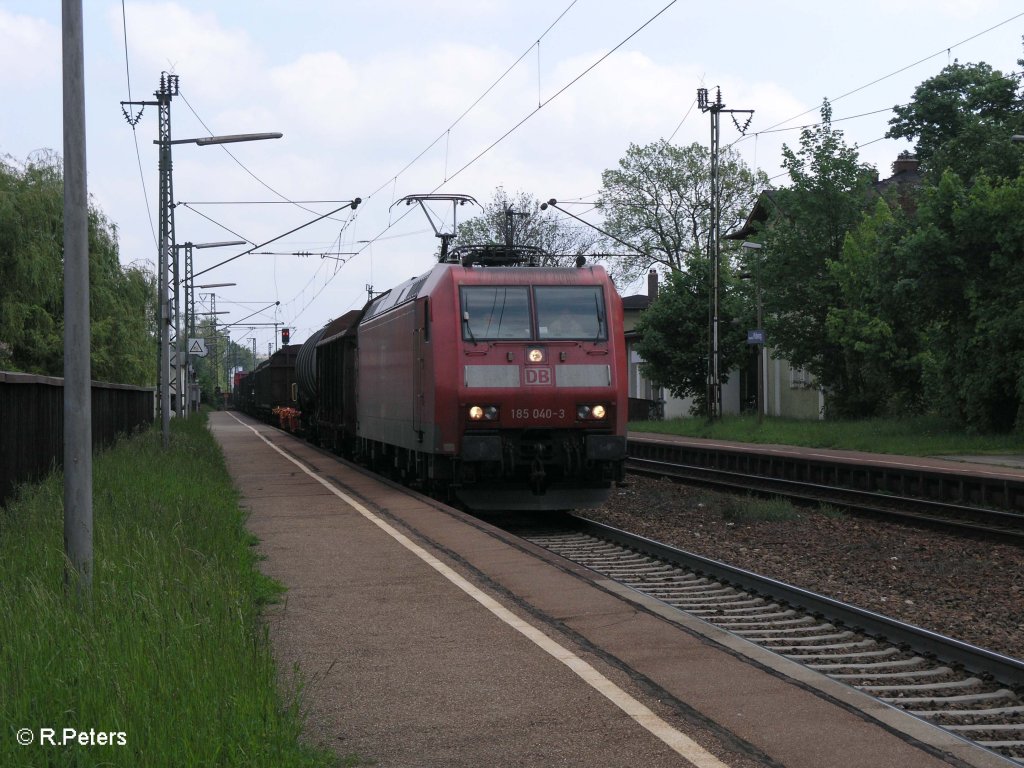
[(571, 312), (495, 312)]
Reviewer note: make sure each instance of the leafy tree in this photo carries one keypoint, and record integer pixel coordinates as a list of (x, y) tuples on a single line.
[(829, 191), (965, 272), (874, 325), (962, 119), (31, 273), (659, 199), (674, 335), (31, 231), (530, 226)]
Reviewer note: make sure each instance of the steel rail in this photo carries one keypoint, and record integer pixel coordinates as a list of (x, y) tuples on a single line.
[(973, 658), (971, 692), (911, 508), (988, 488)]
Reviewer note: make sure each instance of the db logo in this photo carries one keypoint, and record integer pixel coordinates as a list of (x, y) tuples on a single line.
[(536, 376)]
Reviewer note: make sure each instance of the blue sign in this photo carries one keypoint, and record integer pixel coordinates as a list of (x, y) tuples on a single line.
[(755, 336)]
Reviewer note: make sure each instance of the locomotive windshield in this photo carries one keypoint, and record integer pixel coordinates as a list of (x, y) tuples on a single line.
[(571, 312), (495, 312), (563, 312)]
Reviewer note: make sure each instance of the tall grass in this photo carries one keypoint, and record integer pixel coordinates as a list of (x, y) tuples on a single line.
[(917, 436), (170, 651)]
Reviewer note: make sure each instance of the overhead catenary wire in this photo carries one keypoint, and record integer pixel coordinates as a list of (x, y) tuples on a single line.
[(215, 222), (775, 128), (446, 133), (133, 121), (521, 122), (945, 50), (382, 236), (562, 90), (275, 239), (509, 132), (242, 165)]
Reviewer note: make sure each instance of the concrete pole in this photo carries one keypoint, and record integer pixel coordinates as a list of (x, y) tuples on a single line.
[(77, 372)]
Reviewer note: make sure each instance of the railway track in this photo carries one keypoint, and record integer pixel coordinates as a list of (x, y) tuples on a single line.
[(964, 517), (969, 691)]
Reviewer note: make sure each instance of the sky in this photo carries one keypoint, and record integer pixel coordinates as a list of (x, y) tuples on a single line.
[(379, 99)]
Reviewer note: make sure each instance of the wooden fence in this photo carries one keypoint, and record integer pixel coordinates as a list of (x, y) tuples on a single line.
[(32, 423)]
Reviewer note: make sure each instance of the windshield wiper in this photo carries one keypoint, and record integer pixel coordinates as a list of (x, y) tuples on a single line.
[(469, 328)]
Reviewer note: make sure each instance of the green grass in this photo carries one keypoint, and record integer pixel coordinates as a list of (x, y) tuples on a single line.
[(170, 651), (919, 436), (752, 509)]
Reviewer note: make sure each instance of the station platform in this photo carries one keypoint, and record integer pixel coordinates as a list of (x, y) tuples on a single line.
[(425, 637), (1009, 466)]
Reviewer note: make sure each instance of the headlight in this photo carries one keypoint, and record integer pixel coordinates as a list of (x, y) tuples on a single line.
[(590, 412), (483, 413), (535, 355)]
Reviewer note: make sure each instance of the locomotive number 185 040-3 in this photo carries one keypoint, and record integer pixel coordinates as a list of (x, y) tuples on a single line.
[(523, 414)]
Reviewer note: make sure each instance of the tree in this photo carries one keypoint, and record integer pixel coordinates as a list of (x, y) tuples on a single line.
[(674, 335), (31, 230), (874, 324), (31, 272), (829, 191), (530, 226), (964, 269), (962, 119), (659, 199)]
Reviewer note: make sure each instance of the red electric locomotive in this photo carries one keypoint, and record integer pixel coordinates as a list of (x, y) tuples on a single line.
[(505, 384)]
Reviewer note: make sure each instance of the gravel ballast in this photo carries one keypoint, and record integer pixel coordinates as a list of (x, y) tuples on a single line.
[(968, 589)]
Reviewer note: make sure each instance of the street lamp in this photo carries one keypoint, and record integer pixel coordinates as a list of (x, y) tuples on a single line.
[(759, 335)]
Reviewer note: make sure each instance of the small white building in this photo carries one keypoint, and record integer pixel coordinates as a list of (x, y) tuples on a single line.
[(789, 392)]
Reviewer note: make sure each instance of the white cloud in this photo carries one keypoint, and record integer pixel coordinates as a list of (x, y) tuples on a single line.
[(212, 60), (361, 88), (30, 50)]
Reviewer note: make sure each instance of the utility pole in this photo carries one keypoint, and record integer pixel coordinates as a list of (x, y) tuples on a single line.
[(77, 373), (190, 388), (166, 274), (166, 279), (216, 342), (714, 388), (167, 267), (190, 327)]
